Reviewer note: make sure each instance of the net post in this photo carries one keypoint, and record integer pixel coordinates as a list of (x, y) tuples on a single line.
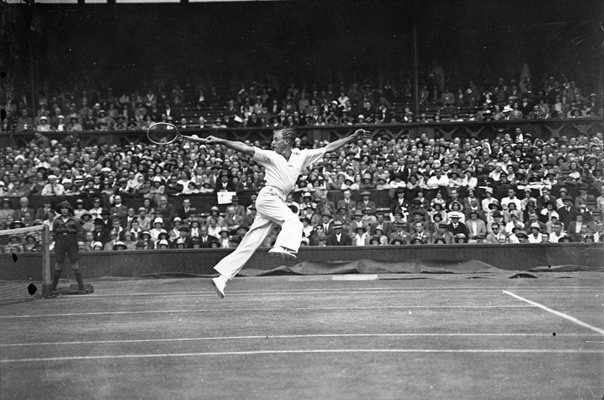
[(46, 273)]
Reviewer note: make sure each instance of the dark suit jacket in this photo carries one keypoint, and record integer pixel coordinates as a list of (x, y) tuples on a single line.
[(26, 216), (345, 240), (350, 206), (461, 228), (566, 216), (207, 242), (183, 214)]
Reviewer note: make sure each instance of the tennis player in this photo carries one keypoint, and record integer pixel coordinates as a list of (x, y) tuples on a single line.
[(283, 164)]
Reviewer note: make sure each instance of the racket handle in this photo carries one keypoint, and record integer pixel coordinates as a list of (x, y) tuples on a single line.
[(195, 139)]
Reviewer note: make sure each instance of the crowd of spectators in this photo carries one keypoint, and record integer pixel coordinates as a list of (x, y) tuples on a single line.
[(513, 189), (268, 104)]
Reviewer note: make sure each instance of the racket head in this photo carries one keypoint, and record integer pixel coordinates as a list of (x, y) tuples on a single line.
[(163, 133)]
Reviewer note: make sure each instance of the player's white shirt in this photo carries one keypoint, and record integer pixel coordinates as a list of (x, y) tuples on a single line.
[(281, 173)]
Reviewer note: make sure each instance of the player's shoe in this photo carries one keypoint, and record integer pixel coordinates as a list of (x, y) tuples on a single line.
[(219, 284), (279, 251)]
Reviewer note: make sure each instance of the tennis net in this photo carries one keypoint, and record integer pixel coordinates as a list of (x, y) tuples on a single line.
[(24, 264)]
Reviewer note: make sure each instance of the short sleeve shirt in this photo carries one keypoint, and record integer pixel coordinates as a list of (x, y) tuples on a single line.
[(282, 173)]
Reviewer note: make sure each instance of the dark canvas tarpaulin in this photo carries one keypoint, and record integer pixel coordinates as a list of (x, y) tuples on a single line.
[(424, 267)]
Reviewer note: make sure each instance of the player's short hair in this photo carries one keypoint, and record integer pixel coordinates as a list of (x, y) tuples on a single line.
[(288, 134)]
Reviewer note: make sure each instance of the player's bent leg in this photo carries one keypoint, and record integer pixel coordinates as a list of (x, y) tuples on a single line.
[(290, 236), (230, 265)]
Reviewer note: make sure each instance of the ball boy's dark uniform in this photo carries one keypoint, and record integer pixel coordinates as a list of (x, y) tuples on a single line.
[(66, 233)]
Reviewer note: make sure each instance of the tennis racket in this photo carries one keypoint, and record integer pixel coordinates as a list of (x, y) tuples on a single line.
[(163, 133)]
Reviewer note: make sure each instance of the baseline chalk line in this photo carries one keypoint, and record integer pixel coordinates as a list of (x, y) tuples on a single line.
[(558, 313)]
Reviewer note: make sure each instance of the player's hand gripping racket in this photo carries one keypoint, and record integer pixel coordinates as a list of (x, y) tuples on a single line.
[(165, 133)]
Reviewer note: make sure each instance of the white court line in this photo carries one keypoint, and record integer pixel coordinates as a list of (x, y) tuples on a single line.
[(301, 351), (259, 309), (558, 313), (309, 336)]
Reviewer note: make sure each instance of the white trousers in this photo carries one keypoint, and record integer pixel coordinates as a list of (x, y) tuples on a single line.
[(271, 209)]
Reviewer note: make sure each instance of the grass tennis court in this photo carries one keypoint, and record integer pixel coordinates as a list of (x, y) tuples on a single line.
[(312, 337)]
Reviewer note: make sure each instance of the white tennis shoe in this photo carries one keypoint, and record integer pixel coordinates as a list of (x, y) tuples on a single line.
[(219, 284), (282, 252)]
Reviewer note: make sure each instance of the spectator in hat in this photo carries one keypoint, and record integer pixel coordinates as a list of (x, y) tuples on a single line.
[(144, 219), (562, 195), (184, 240), (66, 231), (215, 213), (442, 234), (419, 234), (400, 233), (533, 217), (360, 237), (347, 203), (224, 240), (338, 237), (86, 221), (379, 237), (382, 223), (43, 211), (497, 235), (568, 212), (477, 230), (239, 209), (158, 227), (162, 244), (584, 198), (527, 199), (557, 232), (326, 224), (513, 223), (438, 180), (231, 220), (224, 184), (535, 233), (455, 226), (5, 212), (129, 240), (24, 213), (14, 245), (53, 187), (156, 190), (174, 232), (366, 204), (166, 211)]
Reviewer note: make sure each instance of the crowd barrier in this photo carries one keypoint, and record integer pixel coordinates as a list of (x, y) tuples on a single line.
[(129, 264), (545, 128)]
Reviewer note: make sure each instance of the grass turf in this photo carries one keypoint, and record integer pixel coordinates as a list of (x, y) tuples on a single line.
[(300, 338)]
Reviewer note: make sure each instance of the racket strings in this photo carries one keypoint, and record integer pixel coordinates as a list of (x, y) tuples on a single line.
[(162, 133)]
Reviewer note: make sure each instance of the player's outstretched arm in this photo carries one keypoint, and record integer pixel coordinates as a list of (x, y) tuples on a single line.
[(333, 146), (235, 145)]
